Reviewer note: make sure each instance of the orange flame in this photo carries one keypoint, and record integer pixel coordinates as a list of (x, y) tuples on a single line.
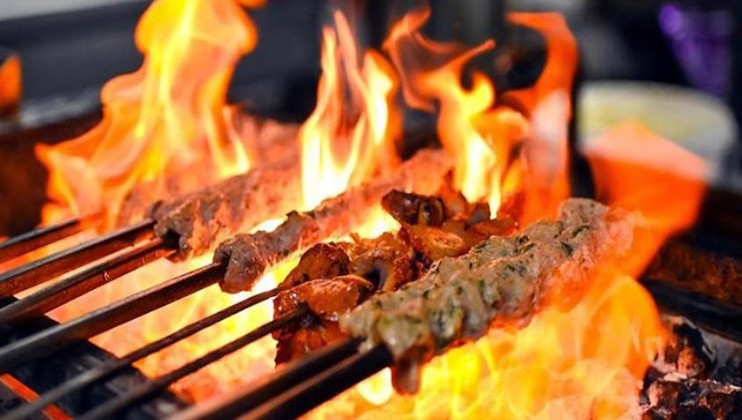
[(350, 135), (584, 363), (564, 364), (168, 116), (549, 101), (11, 86), (638, 170), (162, 120), (479, 136), (349, 138)]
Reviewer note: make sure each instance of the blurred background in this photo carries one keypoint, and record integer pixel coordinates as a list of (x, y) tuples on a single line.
[(670, 64)]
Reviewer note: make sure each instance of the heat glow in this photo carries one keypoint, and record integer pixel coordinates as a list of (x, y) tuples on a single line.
[(479, 135), (166, 130), (351, 133), (161, 120)]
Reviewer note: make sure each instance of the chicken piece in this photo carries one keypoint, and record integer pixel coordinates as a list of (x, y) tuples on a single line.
[(502, 281), (322, 261), (327, 300)]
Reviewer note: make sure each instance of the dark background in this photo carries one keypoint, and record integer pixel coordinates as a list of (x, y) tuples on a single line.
[(69, 51)]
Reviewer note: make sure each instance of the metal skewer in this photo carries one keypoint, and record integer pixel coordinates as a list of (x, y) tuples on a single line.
[(251, 397), (39, 271), (55, 338), (106, 371), (80, 283), (35, 239), (321, 387), (114, 406)]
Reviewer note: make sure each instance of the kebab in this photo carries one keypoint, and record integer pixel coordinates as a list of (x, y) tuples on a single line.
[(503, 281), (333, 278), (202, 219), (499, 282), (247, 256)]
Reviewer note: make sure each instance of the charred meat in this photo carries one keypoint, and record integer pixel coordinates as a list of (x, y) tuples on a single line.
[(326, 300)]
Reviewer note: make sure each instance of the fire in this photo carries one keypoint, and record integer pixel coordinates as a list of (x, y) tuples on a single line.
[(11, 87), (479, 135), (350, 135), (624, 158), (162, 120), (170, 118), (583, 360), (584, 363)]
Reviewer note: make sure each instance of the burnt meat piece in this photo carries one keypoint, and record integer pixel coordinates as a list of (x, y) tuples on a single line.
[(503, 280), (326, 299), (384, 262), (434, 243), (445, 226)]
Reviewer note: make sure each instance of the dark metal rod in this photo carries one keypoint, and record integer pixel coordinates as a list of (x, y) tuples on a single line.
[(323, 386), (53, 339), (35, 239), (106, 371), (83, 282), (47, 268), (113, 407), (294, 374), (721, 317)]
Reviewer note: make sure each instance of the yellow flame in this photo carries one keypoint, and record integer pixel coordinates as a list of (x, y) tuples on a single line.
[(164, 120), (584, 363), (350, 135), (479, 135)]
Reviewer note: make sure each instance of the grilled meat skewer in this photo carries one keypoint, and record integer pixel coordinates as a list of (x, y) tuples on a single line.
[(332, 278), (248, 256), (206, 217), (502, 281)]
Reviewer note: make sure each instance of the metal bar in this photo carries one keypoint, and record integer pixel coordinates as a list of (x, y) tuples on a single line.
[(47, 268), (92, 376), (53, 339), (83, 282), (721, 317), (35, 239), (323, 386), (251, 397), (113, 407)]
